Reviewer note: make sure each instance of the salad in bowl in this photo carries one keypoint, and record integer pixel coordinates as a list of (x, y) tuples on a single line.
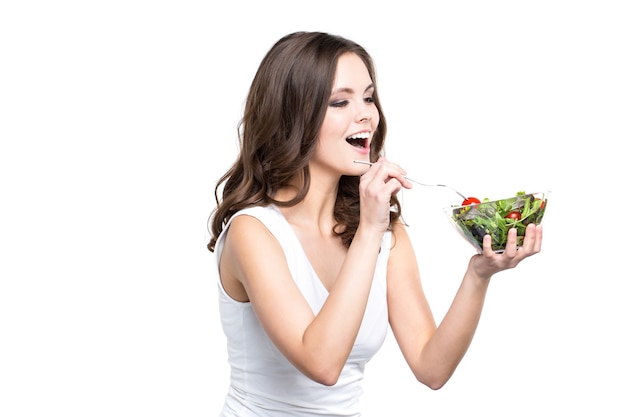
[(475, 218)]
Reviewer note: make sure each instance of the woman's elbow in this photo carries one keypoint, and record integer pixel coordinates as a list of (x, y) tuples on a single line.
[(435, 385), (434, 382), (324, 374)]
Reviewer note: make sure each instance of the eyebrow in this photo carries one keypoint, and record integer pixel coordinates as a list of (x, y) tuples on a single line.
[(349, 90)]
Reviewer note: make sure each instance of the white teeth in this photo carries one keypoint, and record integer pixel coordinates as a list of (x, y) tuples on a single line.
[(362, 135)]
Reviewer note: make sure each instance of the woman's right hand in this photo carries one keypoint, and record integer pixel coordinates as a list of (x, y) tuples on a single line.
[(381, 181)]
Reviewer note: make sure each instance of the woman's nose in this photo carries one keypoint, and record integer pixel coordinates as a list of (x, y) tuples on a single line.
[(364, 115)]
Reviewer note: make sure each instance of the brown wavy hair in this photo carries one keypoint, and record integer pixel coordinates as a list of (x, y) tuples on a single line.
[(279, 131)]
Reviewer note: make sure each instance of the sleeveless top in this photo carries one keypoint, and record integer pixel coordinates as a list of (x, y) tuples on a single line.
[(263, 383)]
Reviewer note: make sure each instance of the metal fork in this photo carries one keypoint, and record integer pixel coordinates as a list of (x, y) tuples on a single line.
[(417, 182)]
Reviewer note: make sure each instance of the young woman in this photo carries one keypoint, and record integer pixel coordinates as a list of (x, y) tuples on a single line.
[(313, 260)]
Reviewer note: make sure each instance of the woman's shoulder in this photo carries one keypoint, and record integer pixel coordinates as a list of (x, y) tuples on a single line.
[(256, 211), (240, 218), (253, 220), (268, 215)]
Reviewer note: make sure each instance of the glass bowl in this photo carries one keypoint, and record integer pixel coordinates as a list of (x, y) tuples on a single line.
[(496, 217)]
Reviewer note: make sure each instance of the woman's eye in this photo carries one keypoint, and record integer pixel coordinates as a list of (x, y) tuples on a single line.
[(369, 99), (342, 103)]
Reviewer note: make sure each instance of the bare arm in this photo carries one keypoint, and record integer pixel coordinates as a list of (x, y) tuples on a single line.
[(434, 352), (317, 345), (253, 262)]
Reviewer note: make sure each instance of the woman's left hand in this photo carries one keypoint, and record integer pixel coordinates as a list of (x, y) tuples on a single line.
[(489, 262)]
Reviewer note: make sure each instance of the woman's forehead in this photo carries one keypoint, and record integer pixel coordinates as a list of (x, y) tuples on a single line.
[(351, 75)]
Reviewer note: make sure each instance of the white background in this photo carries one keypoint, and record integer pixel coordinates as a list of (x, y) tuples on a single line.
[(117, 118)]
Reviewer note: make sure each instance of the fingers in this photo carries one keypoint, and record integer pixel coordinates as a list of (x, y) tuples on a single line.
[(533, 239), (487, 250), (386, 172), (512, 255), (377, 186), (510, 249)]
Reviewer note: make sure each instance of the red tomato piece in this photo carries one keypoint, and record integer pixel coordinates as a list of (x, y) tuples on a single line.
[(470, 200), (515, 215)]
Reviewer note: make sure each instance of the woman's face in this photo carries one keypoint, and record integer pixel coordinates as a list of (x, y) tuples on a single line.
[(350, 121)]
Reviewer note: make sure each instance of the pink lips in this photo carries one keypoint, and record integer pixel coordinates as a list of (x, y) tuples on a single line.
[(356, 141), (363, 151)]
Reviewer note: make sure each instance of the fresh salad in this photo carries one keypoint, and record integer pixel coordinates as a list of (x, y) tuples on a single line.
[(476, 218)]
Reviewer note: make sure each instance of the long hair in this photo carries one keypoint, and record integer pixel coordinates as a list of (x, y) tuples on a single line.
[(280, 127)]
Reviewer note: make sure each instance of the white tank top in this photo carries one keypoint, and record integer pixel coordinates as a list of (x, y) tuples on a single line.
[(263, 383)]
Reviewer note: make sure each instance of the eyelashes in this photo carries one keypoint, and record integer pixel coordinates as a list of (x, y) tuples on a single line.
[(344, 103)]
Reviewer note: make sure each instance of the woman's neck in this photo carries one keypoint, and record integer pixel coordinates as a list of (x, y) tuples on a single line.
[(317, 207)]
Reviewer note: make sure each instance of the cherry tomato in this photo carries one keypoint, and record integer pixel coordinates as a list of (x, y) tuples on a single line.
[(470, 200), (515, 215)]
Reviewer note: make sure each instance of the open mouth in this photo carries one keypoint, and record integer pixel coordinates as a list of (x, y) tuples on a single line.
[(358, 140)]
